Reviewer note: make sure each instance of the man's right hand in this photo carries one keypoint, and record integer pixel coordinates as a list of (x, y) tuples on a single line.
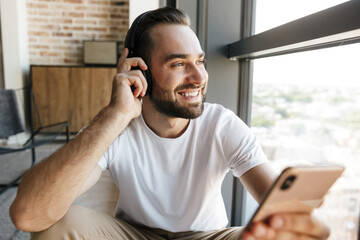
[(123, 99)]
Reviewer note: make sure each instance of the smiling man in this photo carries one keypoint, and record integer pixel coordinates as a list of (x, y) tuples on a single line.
[(167, 152)]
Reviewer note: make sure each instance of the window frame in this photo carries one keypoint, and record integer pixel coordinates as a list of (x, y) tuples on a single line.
[(331, 27)]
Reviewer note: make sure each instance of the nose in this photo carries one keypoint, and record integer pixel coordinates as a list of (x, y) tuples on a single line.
[(197, 74)]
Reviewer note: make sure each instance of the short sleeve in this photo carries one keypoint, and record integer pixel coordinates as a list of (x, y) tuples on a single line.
[(240, 145)]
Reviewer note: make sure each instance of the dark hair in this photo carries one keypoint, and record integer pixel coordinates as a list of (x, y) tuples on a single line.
[(143, 43)]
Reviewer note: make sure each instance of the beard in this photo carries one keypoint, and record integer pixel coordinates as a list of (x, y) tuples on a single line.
[(163, 102)]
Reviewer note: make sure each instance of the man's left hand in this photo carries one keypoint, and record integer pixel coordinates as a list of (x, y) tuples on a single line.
[(288, 226)]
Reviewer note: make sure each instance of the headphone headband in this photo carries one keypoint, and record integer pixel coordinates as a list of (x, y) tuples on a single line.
[(138, 20)]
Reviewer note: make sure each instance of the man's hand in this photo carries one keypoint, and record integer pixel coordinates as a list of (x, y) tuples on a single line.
[(288, 226), (122, 97)]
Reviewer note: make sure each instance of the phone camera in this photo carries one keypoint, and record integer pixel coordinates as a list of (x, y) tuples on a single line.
[(288, 182)]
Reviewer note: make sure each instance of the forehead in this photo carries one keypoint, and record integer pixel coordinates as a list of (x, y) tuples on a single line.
[(174, 39)]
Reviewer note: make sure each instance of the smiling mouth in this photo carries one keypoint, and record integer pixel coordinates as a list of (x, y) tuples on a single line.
[(190, 94)]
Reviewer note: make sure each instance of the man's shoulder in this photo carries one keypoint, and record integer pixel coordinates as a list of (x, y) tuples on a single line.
[(215, 113), (214, 109)]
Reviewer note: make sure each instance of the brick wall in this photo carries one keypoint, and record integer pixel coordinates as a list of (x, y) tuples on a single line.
[(57, 28)]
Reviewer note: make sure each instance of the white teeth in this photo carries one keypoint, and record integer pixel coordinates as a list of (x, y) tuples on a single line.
[(191, 94)]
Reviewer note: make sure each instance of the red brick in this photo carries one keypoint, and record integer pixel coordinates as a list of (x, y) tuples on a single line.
[(61, 34), (67, 60), (36, 5), (85, 36), (62, 48), (61, 20), (49, 0), (85, 8), (32, 46), (113, 15), (46, 14), (73, 14), (73, 1), (38, 34), (50, 27), (96, 29), (73, 41), (73, 54), (100, 2), (49, 54), (84, 21), (97, 15), (110, 22), (113, 9), (73, 28), (61, 6)]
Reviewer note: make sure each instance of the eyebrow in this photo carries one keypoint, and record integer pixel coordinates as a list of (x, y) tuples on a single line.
[(182, 56)]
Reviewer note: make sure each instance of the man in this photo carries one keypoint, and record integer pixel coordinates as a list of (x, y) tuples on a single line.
[(168, 153)]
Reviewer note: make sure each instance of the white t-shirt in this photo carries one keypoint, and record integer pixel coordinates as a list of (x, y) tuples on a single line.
[(175, 184)]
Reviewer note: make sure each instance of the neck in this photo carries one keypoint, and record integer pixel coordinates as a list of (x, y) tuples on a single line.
[(162, 125)]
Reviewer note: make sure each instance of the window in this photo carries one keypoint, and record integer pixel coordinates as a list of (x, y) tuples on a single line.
[(270, 14), (306, 109)]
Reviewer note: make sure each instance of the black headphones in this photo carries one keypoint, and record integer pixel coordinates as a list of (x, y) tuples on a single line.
[(130, 44)]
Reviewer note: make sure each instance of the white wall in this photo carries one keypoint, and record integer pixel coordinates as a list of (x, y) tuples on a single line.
[(136, 7), (14, 43)]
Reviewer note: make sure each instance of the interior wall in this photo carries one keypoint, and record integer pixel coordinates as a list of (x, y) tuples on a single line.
[(14, 44), (136, 7), (57, 29)]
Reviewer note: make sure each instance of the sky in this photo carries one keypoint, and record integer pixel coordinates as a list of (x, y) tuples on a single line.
[(332, 66)]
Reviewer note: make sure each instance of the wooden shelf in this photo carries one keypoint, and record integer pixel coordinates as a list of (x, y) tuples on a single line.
[(74, 94)]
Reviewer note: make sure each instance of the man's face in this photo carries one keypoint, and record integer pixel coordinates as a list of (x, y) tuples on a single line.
[(178, 71)]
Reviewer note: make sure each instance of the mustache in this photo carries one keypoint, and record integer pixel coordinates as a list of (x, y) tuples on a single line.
[(189, 86)]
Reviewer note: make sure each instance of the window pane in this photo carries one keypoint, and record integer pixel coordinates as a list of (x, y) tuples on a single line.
[(306, 109), (270, 14)]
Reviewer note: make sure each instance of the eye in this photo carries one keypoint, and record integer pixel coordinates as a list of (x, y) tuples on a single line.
[(177, 64), (201, 61)]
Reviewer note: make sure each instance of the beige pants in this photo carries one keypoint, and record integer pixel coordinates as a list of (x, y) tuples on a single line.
[(83, 223)]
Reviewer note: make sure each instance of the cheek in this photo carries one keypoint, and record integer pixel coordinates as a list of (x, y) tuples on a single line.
[(167, 81)]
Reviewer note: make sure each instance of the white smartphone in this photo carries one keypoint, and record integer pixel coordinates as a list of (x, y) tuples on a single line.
[(297, 189)]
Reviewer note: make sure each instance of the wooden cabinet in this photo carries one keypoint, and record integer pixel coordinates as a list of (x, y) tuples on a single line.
[(74, 94)]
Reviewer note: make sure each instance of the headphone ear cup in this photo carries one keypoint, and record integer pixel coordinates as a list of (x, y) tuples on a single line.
[(148, 78)]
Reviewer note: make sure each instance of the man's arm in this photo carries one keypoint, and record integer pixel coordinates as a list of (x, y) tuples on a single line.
[(48, 189), (258, 179)]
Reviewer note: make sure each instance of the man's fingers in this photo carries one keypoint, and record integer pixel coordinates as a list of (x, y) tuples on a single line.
[(125, 64), (260, 231), (135, 79), (300, 223), (140, 87), (122, 58), (284, 235)]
